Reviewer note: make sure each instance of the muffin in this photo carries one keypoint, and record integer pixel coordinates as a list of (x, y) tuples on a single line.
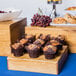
[(44, 37), (49, 51), (57, 44), (39, 42), (31, 38), (33, 50), (49, 43), (70, 18), (61, 39), (48, 37), (24, 41), (17, 49)]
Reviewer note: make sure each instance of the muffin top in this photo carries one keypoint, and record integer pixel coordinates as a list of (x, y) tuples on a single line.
[(23, 41), (54, 42), (61, 37), (42, 36), (17, 45), (39, 41), (53, 38), (33, 47), (29, 36), (50, 48)]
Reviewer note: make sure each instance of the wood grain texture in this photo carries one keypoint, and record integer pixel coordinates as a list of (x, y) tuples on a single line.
[(40, 64), (10, 31), (68, 31)]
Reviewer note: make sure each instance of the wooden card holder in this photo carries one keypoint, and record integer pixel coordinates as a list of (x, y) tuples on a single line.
[(40, 64), (10, 31)]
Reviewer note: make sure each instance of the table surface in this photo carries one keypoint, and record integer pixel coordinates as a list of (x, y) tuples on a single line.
[(69, 68)]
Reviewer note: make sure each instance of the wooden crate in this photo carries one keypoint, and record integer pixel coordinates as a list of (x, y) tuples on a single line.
[(40, 64), (10, 31), (68, 31)]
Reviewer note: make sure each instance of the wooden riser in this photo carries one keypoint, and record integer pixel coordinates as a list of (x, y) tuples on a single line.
[(40, 64), (68, 32)]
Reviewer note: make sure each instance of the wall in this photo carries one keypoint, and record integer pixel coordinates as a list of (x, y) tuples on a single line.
[(29, 7)]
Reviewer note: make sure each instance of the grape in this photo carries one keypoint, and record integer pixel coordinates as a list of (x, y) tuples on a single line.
[(2, 12), (41, 20)]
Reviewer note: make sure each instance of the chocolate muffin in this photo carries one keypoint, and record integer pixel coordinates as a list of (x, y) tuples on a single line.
[(31, 38), (53, 38), (56, 43), (48, 43), (24, 41), (17, 49), (39, 42), (48, 37), (33, 50), (44, 37), (49, 51), (61, 39)]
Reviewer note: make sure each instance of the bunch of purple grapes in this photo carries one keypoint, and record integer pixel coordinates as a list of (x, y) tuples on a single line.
[(41, 20), (2, 12)]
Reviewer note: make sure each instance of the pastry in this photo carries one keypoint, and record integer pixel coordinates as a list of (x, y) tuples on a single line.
[(71, 8), (49, 51), (33, 50), (70, 19), (44, 37), (61, 39), (56, 44), (39, 42), (58, 41), (24, 41), (31, 38), (59, 20), (17, 49), (74, 16)]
